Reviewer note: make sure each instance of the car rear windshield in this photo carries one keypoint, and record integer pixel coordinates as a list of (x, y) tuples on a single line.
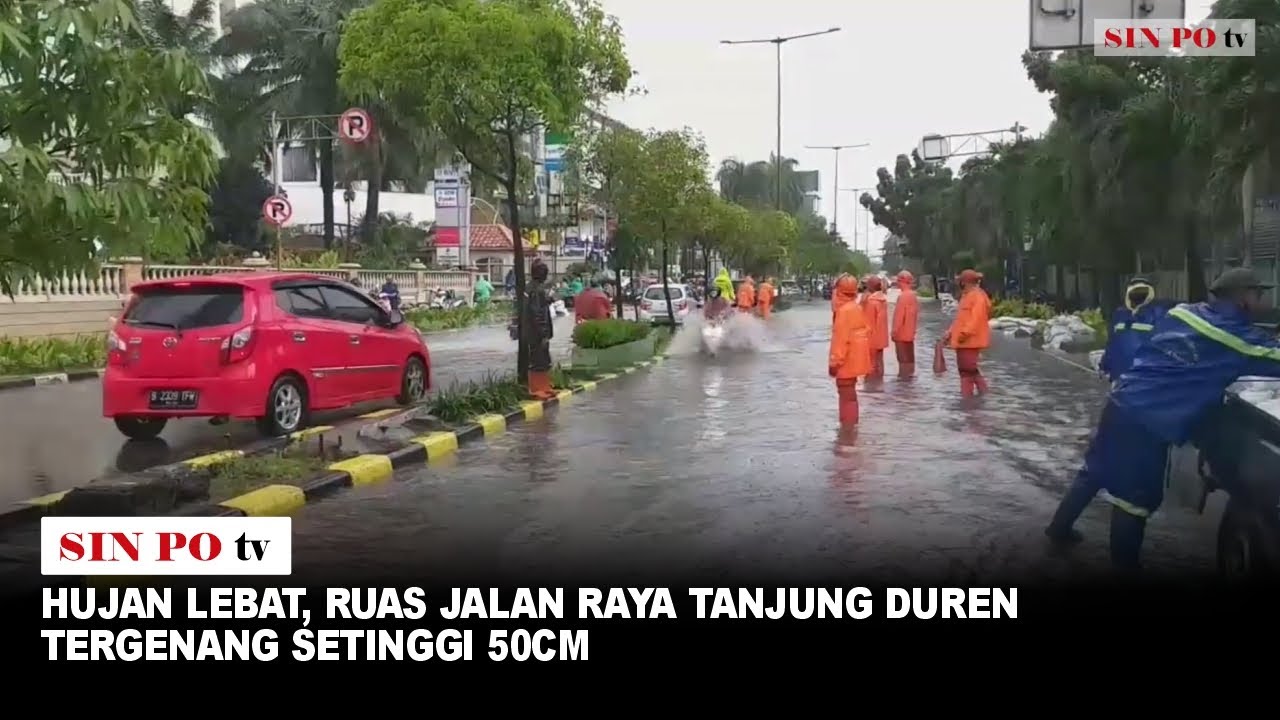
[(187, 307), (655, 293)]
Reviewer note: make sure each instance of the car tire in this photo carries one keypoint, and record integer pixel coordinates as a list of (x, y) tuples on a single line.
[(1248, 544), (413, 382), (287, 409), (140, 427)]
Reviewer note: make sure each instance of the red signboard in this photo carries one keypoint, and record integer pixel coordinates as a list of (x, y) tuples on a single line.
[(448, 237)]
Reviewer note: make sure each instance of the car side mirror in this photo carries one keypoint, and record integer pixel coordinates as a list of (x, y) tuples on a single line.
[(395, 318)]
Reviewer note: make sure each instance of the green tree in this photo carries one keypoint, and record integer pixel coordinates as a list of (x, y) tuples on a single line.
[(671, 181), (91, 154), (487, 74)]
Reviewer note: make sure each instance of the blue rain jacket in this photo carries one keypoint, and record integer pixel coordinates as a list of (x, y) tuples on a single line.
[(1130, 327), (1194, 354)]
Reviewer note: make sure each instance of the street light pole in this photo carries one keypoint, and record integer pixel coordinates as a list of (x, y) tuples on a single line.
[(777, 43), (867, 235), (835, 210)]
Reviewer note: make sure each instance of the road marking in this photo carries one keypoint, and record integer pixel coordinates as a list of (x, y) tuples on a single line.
[(310, 431), (588, 386), (365, 469), (379, 413), (218, 458), (564, 395), (492, 424), (269, 501), (47, 500), (438, 444), (532, 410)]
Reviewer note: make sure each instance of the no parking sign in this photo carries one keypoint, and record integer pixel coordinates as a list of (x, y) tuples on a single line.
[(277, 210), (355, 125)]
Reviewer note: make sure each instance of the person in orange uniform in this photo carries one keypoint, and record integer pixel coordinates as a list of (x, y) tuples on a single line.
[(850, 355), (765, 297), (836, 299), (906, 314), (747, 295), (877, 314), (970, 334)]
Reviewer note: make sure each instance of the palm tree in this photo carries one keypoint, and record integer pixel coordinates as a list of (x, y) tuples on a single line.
[(754, 184), (287, 52)]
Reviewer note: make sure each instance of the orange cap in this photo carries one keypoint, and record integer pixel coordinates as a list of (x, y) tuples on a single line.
[(847, 286), (969, 276), (874, 283), (906, 277)]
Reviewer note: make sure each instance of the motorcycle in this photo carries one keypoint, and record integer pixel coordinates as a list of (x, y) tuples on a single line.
[(712, 337), (446, 300)]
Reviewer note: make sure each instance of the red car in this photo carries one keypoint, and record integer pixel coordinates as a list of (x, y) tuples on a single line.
[(270, 346)]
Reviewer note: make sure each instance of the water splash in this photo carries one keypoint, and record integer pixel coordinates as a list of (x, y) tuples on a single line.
[(743, 333)]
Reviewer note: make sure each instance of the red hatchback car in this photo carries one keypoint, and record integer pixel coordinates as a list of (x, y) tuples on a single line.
[(270, 346)]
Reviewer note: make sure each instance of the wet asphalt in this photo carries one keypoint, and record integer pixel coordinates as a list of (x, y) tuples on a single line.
[(734, 465), (54, 437)]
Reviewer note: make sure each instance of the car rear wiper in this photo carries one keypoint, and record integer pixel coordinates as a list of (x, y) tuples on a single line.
[(152, 323)]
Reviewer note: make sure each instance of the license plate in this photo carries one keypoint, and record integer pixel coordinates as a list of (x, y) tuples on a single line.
[(174, 399)]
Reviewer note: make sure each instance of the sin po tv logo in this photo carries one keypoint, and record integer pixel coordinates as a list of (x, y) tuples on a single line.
[(1219, 38)]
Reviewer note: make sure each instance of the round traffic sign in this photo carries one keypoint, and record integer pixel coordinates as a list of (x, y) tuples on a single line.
[(277, 210), (355, 125)]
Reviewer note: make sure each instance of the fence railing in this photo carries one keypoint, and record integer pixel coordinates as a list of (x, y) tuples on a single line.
[(112, 280)]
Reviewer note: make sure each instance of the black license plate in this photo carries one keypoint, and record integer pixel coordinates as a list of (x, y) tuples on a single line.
[(174, 399)]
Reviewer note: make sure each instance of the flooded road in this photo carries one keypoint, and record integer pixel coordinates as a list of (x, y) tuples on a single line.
[(735, 465), (54, 437)]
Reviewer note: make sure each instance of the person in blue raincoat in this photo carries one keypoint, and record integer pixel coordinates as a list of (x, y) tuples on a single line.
[(1166, 398), (1131, 325)]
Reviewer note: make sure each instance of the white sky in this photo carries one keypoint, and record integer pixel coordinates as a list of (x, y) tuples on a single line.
[(876, 81)]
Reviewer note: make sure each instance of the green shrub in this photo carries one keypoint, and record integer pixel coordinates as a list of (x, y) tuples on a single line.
[(428, 320), (611, 332), (1094, 319), (924, 293), (463, 401), (44, 355), (1016, 307)]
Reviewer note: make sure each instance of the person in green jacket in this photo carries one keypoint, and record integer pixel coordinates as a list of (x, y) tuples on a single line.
[(483, 290), (725, 283)]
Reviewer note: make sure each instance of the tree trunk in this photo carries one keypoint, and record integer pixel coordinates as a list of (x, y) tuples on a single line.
[(617, 273), (517, 251), (326, 189), (634, 286), (369, 223), (706, 262), (1196, 287), (666, 289)]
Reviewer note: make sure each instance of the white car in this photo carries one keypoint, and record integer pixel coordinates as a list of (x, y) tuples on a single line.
[(653, 304)]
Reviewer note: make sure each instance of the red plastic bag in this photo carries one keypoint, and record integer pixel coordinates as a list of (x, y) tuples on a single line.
[(939, 359)]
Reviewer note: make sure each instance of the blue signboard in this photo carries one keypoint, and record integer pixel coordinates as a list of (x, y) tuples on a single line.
[(554, 165)]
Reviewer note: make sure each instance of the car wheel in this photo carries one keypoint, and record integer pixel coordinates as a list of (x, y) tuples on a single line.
[(139, 427), (287, 409), (1247, 544), (413, 383)]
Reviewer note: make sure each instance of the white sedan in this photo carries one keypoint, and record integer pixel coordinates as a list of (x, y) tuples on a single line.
[(653, 304)]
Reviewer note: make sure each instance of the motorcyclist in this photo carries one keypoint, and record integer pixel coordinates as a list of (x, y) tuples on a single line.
[(483, 290), (391, 292), (716, 307), (724, 284)]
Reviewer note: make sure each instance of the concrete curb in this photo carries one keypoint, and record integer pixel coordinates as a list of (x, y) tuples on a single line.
[(165, 488), (281, 500), (58, 378)]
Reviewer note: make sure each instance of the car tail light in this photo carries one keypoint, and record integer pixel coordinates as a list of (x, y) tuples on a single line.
[(238, 346), (646, 305), (115, 349), (681, 305)]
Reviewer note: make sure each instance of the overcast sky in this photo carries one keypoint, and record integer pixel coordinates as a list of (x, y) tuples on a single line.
[(899, 69)]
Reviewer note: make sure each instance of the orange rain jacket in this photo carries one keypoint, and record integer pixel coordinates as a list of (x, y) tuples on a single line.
[(877, 312), (970, 330), (850, 354), (746, 295), (906, 314), (766, 293)]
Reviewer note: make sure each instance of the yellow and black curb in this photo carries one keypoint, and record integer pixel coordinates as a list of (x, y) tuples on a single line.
[(159, 489), (279, 500)]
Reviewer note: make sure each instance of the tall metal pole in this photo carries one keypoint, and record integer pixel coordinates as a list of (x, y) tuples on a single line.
[(276, 160), (835, 211), (777, 148)]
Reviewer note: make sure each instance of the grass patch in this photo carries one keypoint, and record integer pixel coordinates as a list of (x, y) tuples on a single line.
[(925, 293), (607, 333), (293, 465), (47, 355), (1016, 307), (428, 320), (460, 402)]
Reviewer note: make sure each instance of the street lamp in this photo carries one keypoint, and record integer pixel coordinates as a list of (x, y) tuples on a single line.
[(777, 43), (348, 196), (835, 211), (855, 220)]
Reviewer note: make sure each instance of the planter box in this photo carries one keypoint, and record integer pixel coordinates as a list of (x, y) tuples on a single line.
[(614, 357)]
